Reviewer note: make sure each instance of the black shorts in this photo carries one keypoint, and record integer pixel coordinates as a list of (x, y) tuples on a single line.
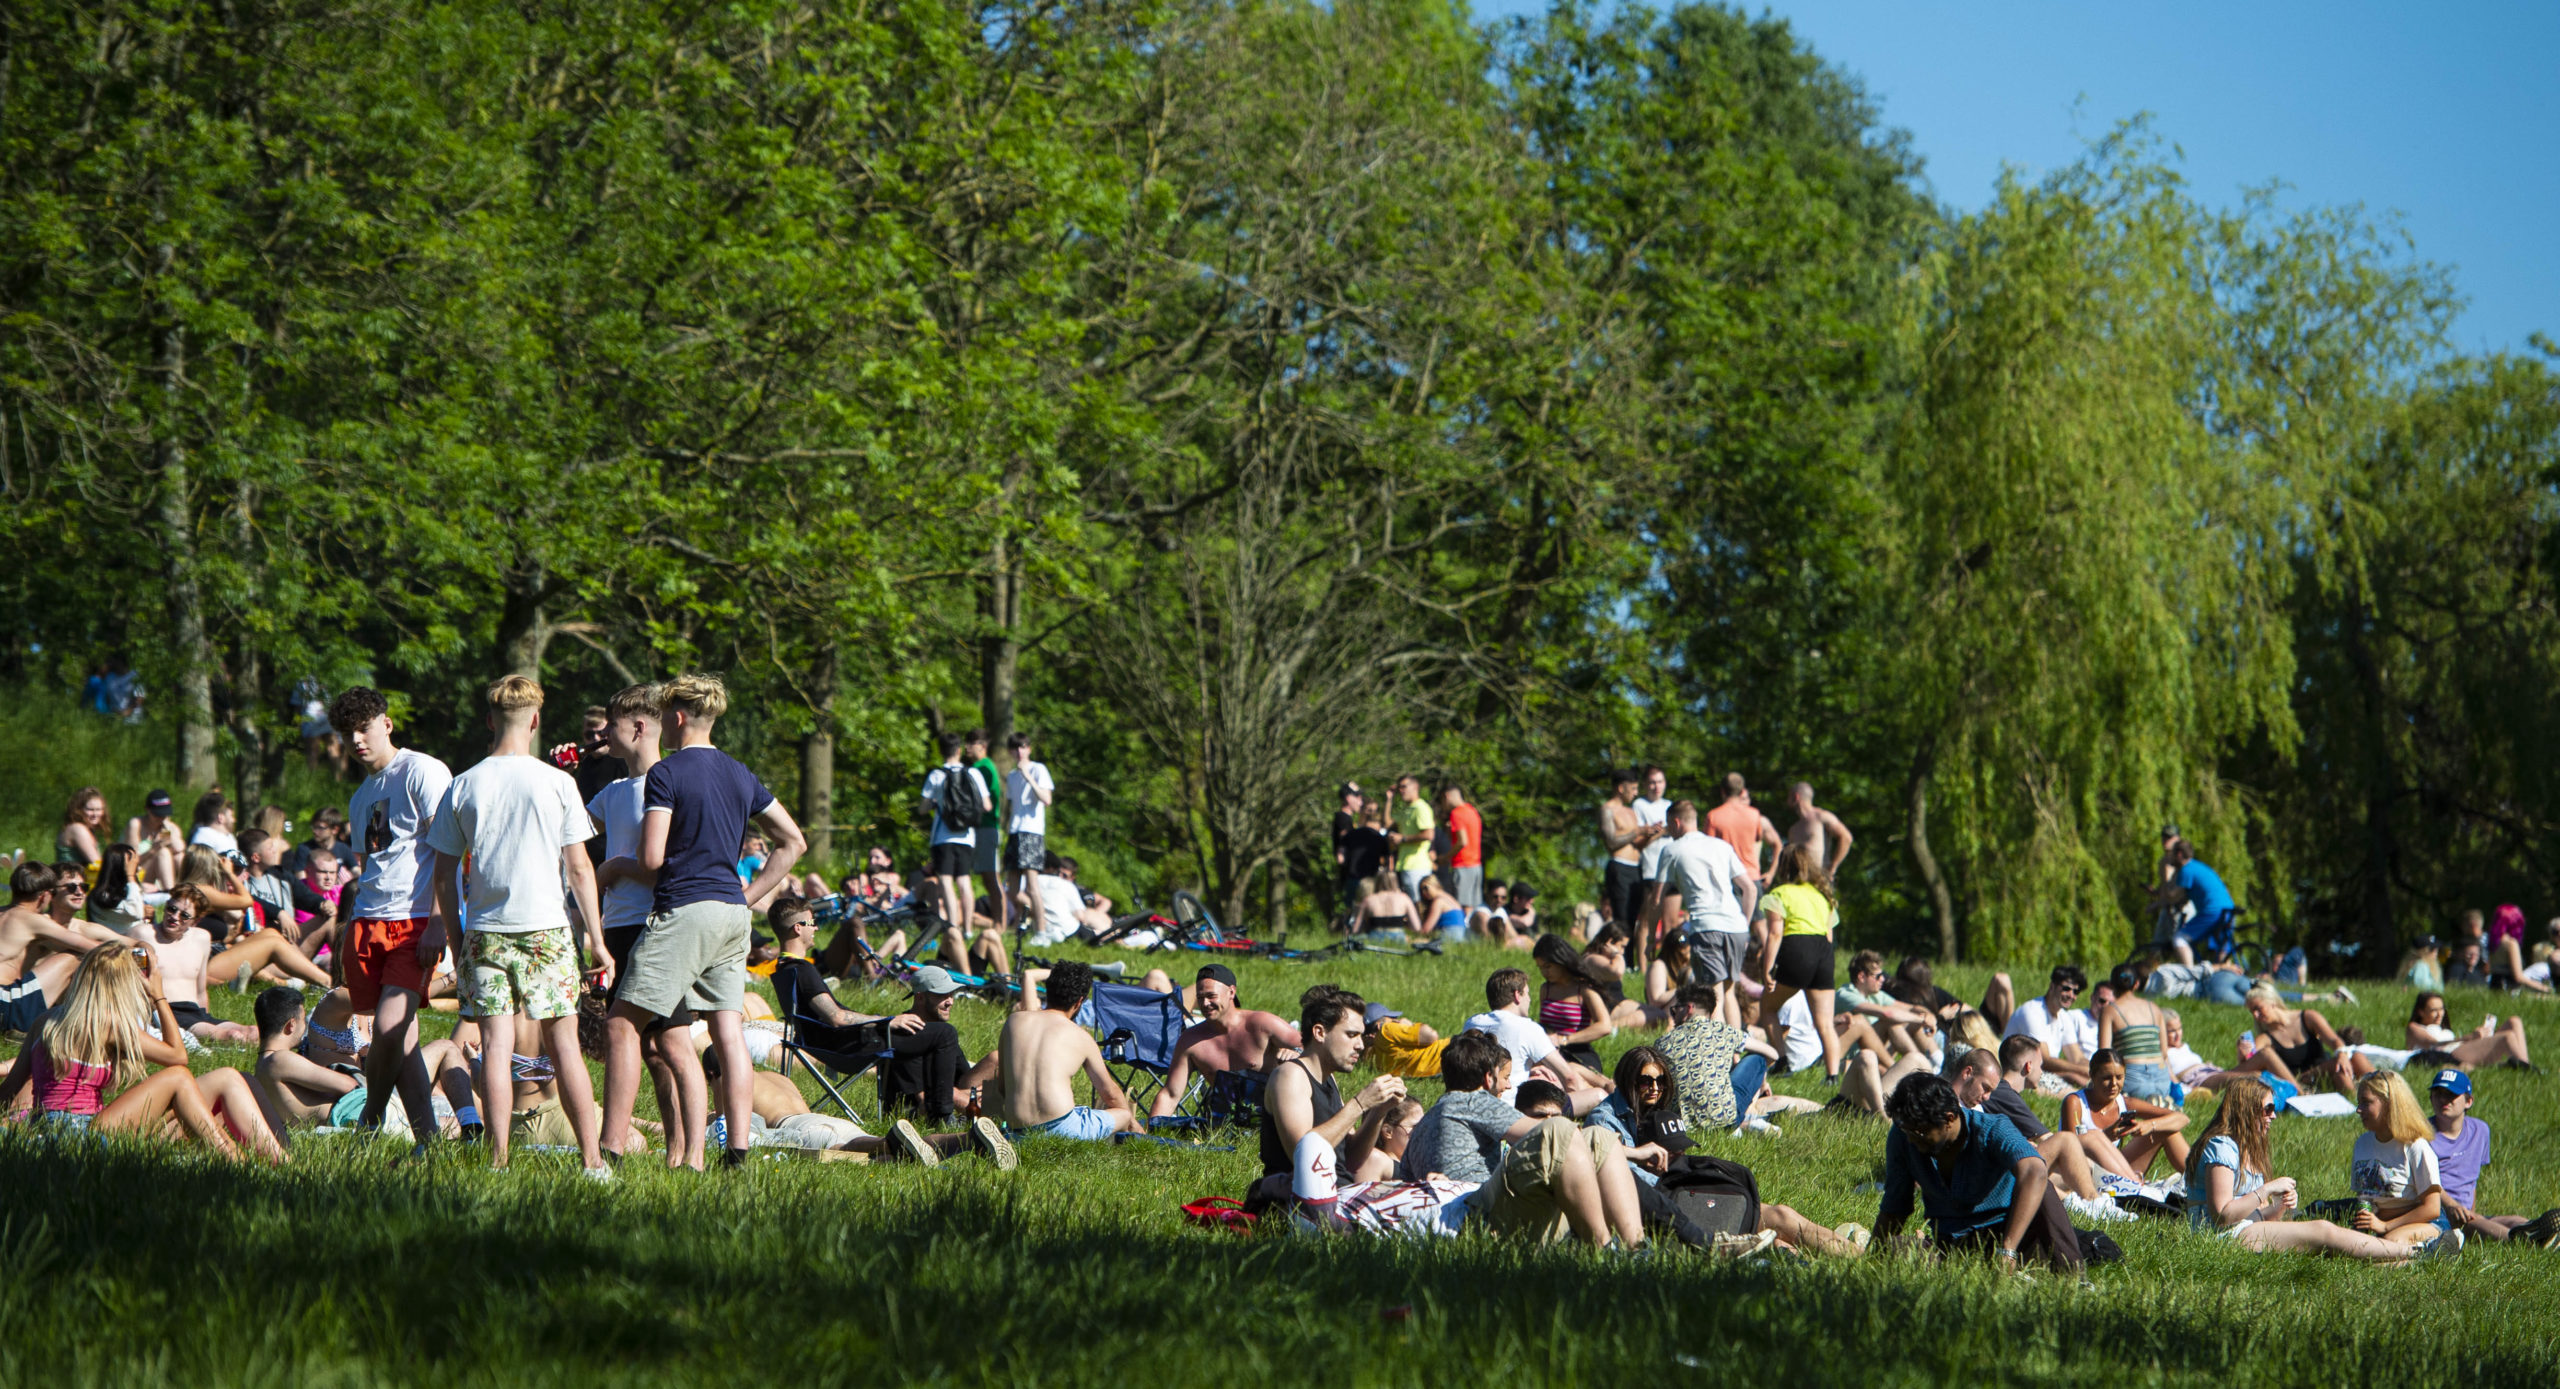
[(953, 859), (1625, 888), (1804, 962), (22, 1004), (1025, 853), (189, 1015), (618, 941)]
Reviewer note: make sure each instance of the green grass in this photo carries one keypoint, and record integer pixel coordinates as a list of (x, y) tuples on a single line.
[(132, 1263)]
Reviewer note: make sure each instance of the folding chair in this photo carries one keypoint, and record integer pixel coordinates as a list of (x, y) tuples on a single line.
[(1139, 1029), (848, 1051)]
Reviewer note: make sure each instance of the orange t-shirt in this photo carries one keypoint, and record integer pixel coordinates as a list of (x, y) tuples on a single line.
[(1465, 819), (1738, 823)]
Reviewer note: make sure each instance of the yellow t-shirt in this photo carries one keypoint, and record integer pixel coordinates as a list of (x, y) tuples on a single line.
[(1803, 907), (1396, 1048), (1413, 820)]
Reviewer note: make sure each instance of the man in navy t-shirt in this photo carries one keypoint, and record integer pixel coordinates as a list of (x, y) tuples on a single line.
[(2201, 888), (695, 808), (1979, 1180)]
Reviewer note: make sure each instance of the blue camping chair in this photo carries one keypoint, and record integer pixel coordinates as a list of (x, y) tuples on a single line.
[(1139, 1030)]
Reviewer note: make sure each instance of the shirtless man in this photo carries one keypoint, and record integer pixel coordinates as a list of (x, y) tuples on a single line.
[(184, 950), (70, 898), (308, 1067), (1818, 828), (37, 955), (1038, 1055), (1625, 835), (1227, 1038)]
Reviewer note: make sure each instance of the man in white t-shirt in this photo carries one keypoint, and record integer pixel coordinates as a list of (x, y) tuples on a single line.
[(953, 851), (2062, 1029), (517, 818), (215, 820), (1506, 995), (1028, 794), (392, 941), (1701, 877)]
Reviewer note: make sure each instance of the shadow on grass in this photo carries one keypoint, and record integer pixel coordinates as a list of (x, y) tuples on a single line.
[(348, 1267)]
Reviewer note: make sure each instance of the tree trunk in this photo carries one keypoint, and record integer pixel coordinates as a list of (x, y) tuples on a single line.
[(1276, 920), (249, 768), (524, 627), (189, 646), (2380, 933), (1942, 906), (1000, 649), (818, 768)]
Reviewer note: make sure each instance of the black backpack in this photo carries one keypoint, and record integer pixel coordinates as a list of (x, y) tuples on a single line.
[(1722, 1197), (964, 798)]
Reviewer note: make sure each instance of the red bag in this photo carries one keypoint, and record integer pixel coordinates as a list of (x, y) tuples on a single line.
[(1219, 1213)]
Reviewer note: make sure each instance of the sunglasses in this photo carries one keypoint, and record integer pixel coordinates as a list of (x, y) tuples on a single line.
[(1651, 1079)]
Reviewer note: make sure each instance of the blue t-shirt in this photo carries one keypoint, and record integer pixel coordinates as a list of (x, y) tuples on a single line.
[(710, 797), (1975, 1189), (2204, 888), (2217, 1151)]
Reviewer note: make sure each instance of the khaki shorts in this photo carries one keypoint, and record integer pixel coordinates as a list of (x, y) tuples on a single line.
[(546, 1124), (1523, 1199), (695, 955)]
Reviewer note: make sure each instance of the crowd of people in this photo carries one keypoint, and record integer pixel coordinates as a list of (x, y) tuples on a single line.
[(601, 901)]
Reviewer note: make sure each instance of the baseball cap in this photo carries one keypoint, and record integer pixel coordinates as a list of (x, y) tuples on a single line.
[(157, 800), (2451, 1081), (1377, 1012), (1220, 973), (933, 981)]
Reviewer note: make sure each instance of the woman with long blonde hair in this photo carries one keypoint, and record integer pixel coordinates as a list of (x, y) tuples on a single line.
[(2229, 1191), (2393, 1166), (93, 1044)]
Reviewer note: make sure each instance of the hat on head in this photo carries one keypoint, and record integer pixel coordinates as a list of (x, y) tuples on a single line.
[(157, 800), (2451, 1081), (1349, 788), (933, 981), (1379, 1012), (1220, 973)]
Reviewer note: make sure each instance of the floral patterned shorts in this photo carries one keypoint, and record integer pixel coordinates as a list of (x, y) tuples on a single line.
[(535, 972)]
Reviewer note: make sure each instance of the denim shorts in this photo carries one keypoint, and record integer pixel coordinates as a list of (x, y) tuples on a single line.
[(2148, 1080), (1091, 1125)]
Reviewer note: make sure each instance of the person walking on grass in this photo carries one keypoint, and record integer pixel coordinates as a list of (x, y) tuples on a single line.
[(392, 943), (955, 793), (519, 821), (623, 891), (697, 802)]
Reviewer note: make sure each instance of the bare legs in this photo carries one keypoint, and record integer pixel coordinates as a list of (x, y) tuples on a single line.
[(393, 1064), (259, 951), (2506, 1046), (1999, 1000), (674, 1071), (1796, 1232), (2321, 1237), (165, 1096), (737, 1077)]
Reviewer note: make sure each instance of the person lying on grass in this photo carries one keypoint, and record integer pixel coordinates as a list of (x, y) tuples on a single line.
[(2491, 1044), (1229, 1039), (1980, 1085), (2461, 1145), (1038, 1055), (2229, 1190), (310, 1065), (782, 1119), (93, 1044), (1978, 1179), (2133, 1133), (1552, 1179)]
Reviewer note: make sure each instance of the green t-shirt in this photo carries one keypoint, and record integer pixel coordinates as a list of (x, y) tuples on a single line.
[(1413, 820), (995, 792)]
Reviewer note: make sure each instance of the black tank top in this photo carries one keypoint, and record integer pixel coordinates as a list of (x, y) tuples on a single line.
[(1324, 1099)]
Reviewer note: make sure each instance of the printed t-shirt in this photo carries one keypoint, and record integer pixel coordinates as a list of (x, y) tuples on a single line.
[(1460, 1138), (2380, 1169), (388, 817)]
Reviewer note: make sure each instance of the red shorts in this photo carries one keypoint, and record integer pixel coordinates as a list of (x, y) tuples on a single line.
[(383, 955)]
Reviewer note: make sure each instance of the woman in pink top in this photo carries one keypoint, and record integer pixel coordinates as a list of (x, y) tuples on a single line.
[(93, 1042)]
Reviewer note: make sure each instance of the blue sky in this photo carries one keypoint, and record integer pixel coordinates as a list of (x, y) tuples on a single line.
[(2448, 115)]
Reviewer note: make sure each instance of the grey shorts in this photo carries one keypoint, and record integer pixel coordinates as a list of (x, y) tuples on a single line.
[(695, 955), (982, 856), (1716, 956), (1467, 885), (1026, 853)]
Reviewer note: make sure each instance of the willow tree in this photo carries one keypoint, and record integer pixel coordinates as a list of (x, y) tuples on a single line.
[(2089, 574)]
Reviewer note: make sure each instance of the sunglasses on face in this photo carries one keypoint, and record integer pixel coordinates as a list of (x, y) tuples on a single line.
[(1650, 1080)]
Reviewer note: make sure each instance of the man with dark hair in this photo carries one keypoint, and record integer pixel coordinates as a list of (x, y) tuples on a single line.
[(28, 988), (985, 858), (1346, 819), (1979, 1180), (1506, 995), (1228, 1038), (1554, 1177), (391, 944), (1029, 791), (924, 1068), (2058, 1025), (214, 820), (952, 855), (1039, 1053), (1979, 1085), (1304, 1097), (329, 837), (1717, 1067), (1623, 835), (1715, 896)]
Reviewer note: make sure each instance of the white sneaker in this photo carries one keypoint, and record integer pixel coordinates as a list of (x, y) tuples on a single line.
[(913, 1144), (2443, 1246), (1859, 1236), (2345, 994), (1743, 1246), (1753, 1123), (600, 1174)]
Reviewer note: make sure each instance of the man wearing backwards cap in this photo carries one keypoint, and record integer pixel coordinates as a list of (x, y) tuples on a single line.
[(1227, 1038), (2462, 1149)]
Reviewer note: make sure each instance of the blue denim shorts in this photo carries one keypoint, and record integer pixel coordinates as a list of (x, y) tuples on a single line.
[(2148, 1080)]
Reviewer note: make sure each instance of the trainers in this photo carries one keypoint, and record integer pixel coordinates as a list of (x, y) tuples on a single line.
[(2443, 1246), (2345, 994), (1753, 1123), (1744, 1246), (1858, 1236), (600, 1174), (2543, 1231), (903, 1133), (990, 1142), (240, 982)]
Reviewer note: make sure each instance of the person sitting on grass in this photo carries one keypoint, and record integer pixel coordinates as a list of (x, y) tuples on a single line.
[(1553, 1178), (2229, 1190), (1506, 995), (36, 956), (1228, 1043), (2066, 1032), (2135, 1132), (1717, 1069), (183, 951), (2491, 1044), (1978, 1179), (1570, 1005), (2296, 1044), (1909, 1030), (1304, 1094), (310, 1067), (93, 1044), (2392, 1169), (2461, 1144), (1980, 1085), (1865, 1078), (783, 1119), (1038, 1055), (1400, 1046)]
